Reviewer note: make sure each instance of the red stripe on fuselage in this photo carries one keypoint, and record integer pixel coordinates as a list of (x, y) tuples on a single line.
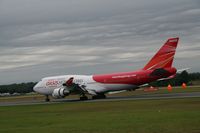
[(135, 78), (122, 78)]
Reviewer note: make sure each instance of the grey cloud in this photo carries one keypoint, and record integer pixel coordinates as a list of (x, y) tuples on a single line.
[(42, 38)]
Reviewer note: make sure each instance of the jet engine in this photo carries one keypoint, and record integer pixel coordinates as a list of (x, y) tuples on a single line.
[(60, 92)]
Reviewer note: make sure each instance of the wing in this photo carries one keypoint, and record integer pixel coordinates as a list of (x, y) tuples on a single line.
[(80, 88), (74, 87)]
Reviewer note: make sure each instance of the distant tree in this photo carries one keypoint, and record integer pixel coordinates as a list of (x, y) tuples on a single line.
[(194, 76), (17, 88), (184, 77)]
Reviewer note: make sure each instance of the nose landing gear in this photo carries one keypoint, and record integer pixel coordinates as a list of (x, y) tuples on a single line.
[(47, 98)]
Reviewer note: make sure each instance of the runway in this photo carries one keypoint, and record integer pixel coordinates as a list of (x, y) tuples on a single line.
[(109, 98)]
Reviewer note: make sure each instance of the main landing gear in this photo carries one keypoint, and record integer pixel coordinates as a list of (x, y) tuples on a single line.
[(99, 96), (47, 98), (83, 97)]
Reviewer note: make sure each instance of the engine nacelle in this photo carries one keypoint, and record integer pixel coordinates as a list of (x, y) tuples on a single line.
[(60, 92)]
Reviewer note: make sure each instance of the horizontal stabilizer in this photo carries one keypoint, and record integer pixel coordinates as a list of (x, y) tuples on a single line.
[(183, 69)]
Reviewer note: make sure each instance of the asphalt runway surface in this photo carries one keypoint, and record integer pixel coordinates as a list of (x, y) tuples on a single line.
[(109, 98)]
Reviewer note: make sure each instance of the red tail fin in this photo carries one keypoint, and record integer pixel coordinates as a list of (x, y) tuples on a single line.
[(164, 57)]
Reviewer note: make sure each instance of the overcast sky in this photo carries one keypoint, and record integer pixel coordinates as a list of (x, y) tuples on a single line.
[(40, 38)]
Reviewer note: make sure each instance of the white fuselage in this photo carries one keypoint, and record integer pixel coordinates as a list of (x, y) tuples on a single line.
[(47, 85)]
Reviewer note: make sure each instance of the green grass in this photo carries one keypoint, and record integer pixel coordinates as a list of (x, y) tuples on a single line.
[(138, 116)]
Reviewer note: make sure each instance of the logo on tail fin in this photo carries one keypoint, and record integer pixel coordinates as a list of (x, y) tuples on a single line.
[(164, 57)]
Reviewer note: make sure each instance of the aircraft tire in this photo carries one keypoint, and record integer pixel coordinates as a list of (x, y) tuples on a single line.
[(99, 96), (83, 98)]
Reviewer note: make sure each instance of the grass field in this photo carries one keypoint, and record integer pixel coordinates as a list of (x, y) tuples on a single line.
[(138, 116)]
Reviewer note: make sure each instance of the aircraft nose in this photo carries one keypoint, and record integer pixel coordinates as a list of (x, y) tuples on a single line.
[(35, 88)]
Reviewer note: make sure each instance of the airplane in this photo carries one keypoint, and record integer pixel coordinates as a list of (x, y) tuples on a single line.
[(158, 68)]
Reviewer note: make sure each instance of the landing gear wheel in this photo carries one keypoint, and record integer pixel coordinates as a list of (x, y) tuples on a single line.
[(99, 96), (83, 98), (47, 98)]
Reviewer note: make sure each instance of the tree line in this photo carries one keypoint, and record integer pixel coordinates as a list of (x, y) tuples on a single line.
[(183, 77), (17, 88)]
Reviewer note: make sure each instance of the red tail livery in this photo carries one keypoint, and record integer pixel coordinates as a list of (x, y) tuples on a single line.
[(164, 57)]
